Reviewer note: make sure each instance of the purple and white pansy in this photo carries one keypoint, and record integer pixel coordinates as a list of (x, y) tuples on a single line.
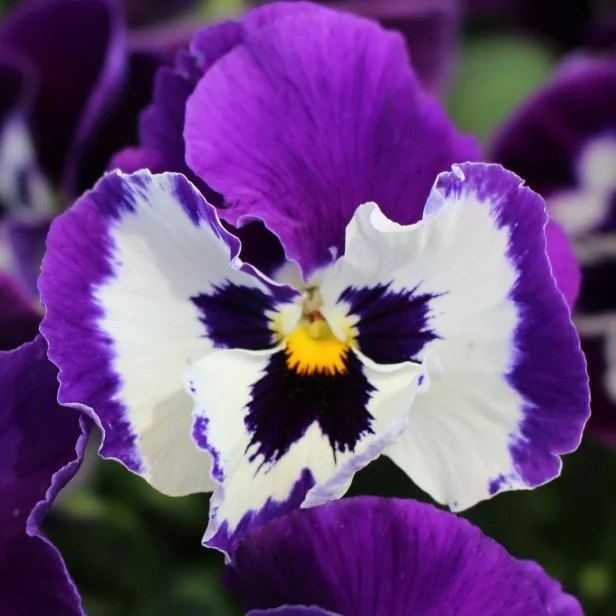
[(439, 339), (371, 556), (563, 142)]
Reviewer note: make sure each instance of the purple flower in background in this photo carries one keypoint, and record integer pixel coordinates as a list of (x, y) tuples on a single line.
[(33, 467), (70, 95), (563, 142), (427, 327), (371, 556)]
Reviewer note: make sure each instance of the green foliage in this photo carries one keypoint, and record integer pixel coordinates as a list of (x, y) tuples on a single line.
[(494, 74)]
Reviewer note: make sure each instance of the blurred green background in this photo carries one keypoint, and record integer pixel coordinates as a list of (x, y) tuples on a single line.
[(133, 551)]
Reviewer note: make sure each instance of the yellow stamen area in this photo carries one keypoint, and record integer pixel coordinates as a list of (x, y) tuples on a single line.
[(312, 348)]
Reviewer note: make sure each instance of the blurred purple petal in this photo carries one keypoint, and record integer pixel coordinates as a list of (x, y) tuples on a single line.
[(22, 186), (366, 556), (19, 319), (26, 239), (77, 50), (120, 124), (34, 466)]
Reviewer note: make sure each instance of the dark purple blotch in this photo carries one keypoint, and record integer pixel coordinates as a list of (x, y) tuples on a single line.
[(235, 317), (285, 403), (393, 325)]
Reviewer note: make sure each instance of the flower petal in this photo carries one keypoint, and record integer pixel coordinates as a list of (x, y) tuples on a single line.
[(78, 74), (367, 556), (134, 280), (473, 297), (19, 320), (298, 101), (280, 439), (25, 237), (33, 468)]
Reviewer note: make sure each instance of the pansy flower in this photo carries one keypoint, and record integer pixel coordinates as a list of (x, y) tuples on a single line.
[(370, 556), (33, 466), (410, 313), (563, 141)]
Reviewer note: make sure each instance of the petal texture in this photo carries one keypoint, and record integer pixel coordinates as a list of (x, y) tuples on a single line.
[(298, 131), (469, 292), (367, 556), (33, 468), (126, 279)]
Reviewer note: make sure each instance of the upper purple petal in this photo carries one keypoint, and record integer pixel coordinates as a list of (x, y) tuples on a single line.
[(34, 466), (314, 114), (77, 49), (367, 556)]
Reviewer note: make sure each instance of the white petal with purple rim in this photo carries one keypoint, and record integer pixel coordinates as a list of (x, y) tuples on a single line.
[(503, 361), (121, 269), (252, 490)]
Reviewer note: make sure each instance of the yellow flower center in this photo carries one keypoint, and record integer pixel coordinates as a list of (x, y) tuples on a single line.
[(312, 348)]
